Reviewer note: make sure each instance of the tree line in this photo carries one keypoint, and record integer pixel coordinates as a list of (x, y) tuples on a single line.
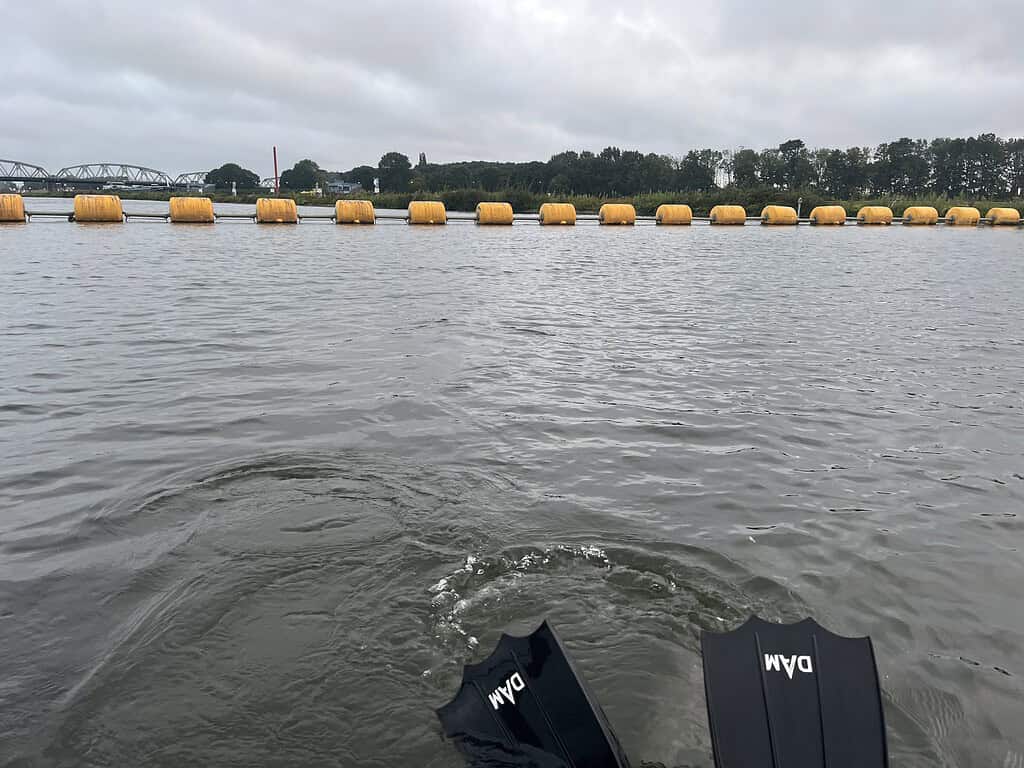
[(983, 167)]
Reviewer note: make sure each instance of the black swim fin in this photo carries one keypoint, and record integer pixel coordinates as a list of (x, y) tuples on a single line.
[(793, 696), (526, 704)]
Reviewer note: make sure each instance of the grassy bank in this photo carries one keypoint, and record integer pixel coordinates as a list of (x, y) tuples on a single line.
[(523, 201)]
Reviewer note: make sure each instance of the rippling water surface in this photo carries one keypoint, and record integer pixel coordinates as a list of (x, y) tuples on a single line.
[(264, 490)]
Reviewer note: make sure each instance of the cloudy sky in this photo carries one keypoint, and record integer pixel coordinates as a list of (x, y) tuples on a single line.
[(189, 85)]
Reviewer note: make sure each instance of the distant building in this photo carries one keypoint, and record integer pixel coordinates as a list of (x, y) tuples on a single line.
[(339, 187)]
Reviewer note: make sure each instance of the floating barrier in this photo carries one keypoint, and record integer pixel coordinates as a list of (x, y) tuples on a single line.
[(676, 215), (354, 212), (1001, 217), (960, 216), (494, 213), (427, 212), (779, 215), (920, 215), (191, 210), (276, 210), (828, 215), (874, 214), (617, 213), (99, 209), (557, 213), (108, 208), (728, 214), (12, 209)]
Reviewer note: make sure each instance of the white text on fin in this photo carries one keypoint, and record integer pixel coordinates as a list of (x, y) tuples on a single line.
[(508, 691), (776, 662)]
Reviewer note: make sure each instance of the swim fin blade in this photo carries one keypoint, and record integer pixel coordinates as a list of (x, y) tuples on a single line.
[(793, 696), (526, 704)]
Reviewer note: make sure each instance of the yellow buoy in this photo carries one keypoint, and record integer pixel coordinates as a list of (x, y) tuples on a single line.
[(833, 215), (1003, 216), (494, 213), (874, 214), (557, 213), (276, 210), (960, 216), (617, 213), (673, 214), (354, 212), (12, 209), (192, 210), (728, 214), (778, 215), (427, 212), (920, 215), (99, 208)]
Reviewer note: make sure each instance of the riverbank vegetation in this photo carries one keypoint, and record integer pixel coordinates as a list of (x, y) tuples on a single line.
[(981, 167)]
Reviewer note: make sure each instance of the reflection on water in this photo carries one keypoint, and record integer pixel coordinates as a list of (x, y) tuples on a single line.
[(265, 490)]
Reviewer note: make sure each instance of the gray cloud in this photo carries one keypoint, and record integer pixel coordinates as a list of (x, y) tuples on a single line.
[(193, 84)]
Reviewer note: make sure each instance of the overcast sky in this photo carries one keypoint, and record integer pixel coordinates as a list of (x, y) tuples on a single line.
[(189, 85)]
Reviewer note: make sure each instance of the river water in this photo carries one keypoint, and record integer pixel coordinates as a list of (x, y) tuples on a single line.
[(264, 490)]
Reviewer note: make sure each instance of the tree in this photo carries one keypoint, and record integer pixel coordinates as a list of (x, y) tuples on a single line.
[(395, 172), (423, 160), (629, 173), (858, 166), (656, 173), (1015, 166), (770, 169), (697, 170), (491, 177), (362, 175), (305, 174), (744, 168), (835, 173), (230, 173), (901, 167), (989, 165), (797, 168), (946, 159), (559, 184), (727, 166)]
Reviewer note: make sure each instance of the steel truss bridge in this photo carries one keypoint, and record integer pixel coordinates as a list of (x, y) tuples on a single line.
[(98, 175), (101, 174), (196, 179), (15, 170)]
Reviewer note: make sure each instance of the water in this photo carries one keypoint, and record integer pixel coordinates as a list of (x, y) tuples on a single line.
[(264, 490)]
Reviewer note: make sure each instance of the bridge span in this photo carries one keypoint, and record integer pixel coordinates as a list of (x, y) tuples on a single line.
[(97, 176), (103, 174), (16, 170)]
